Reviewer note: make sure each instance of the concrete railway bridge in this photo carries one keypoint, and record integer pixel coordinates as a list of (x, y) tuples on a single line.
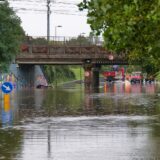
[(87, 52)]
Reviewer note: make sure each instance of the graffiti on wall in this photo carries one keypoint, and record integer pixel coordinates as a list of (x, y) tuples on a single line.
[(8, 77), (41, 81), (20, 81)]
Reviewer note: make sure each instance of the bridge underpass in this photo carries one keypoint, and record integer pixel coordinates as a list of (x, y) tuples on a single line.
[(91, 57)]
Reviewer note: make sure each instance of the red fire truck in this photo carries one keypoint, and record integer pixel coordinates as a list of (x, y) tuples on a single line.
[(114, 75)]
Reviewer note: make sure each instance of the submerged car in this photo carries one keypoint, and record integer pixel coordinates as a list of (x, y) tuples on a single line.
[(149, 79), (136, 77)]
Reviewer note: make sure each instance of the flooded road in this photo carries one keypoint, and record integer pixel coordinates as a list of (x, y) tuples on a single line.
[(120, 121)]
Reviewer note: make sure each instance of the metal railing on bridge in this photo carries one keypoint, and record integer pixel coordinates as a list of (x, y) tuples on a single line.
[(68, 41), (67, 50)]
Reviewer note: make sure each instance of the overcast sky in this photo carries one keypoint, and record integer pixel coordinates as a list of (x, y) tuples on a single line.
[(33, 14)]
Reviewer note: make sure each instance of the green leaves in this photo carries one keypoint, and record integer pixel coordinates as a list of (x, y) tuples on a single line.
[(11, 35), (132, 26), (58, 73)]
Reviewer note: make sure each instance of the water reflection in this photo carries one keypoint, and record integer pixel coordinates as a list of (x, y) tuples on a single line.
[(127, 87), (68, 122), (110, 98), (92, 105), (10, 138), (126, 98), (7, 117)]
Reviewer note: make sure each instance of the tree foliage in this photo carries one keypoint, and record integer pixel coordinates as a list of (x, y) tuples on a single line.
[(131, 26), (11, 34), (58, 73)]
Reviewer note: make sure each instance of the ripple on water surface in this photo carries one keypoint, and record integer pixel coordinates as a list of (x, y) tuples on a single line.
[(93, 137)]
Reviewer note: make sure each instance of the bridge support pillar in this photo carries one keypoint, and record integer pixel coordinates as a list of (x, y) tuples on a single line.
[(91, 77), (87, 77), (95, 77)]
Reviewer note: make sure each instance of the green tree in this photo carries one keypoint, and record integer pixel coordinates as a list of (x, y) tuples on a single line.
[(80, 40), (58, 73), (131, 26), (11, 34)]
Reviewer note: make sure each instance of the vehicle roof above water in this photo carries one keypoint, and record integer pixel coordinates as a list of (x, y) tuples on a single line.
[(136, 72)]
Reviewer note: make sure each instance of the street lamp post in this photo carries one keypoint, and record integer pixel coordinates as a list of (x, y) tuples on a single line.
[(2, 1), (48, 19)]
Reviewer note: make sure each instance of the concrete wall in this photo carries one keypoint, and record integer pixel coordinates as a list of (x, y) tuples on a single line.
[(24, 76)]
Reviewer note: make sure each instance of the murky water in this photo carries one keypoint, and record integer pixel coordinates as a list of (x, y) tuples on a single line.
[(119, 122)]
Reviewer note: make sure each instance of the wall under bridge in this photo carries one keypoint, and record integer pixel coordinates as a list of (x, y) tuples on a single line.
[(32, 76), (24, 76)]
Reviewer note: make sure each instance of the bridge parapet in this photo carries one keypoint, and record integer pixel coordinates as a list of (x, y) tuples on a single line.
[(51, 49), (67, 53)]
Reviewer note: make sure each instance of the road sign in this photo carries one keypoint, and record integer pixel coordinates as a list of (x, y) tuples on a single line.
[(110, 57), (7, 87)]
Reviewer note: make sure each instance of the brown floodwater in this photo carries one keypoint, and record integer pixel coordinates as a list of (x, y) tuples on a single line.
[(118, 121)]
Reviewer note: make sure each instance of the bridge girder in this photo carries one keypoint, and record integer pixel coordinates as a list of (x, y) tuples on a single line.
[(63, 55)]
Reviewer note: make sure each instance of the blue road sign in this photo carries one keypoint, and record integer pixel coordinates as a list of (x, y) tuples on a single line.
[(7, 87)]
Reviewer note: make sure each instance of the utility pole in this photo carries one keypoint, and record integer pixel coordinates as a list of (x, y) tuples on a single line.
[(48, 19), (2, 1)]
